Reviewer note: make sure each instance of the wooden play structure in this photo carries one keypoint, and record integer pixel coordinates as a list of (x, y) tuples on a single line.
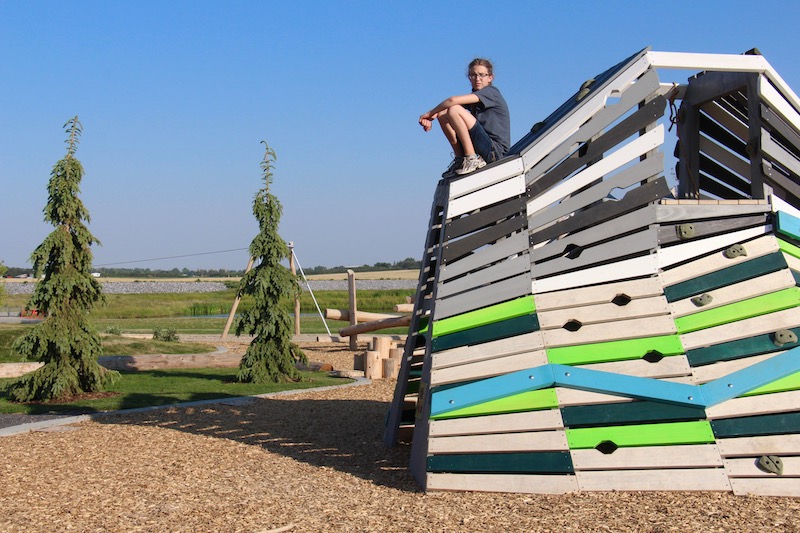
[(588, 320)]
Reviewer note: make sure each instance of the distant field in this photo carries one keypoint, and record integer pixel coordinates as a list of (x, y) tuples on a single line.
[(384, 274)]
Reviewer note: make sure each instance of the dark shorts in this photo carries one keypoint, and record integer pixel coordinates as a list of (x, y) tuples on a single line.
[(482, 143)]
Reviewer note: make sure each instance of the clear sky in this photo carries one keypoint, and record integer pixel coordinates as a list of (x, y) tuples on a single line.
[(176, 96)]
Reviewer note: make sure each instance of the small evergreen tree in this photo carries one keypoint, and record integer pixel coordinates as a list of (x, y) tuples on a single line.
[(3, 271), (272, 355), (64, 341)]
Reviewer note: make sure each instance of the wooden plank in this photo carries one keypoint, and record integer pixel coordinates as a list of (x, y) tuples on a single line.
[(509, 442), (500, 403), (488, 333), (738, 311), (604, 312), (503, 249), (492, 367), (623, 329), (766, 487), (788, 225), (648, 457), (474, 182), (755, 426), (568, 397), (452, 251), (748, 467), (613, 161), (621, 270), (777, 153), (638, 412), (728, 185), (484, 316), (501, 291), (558, 219), (703, 374), (742, 290), (726, 118), (598, 294), (489, 350), (737, 349), (683, 479), (527, 483), (764, 404), (683, 212), (548, 419), (668, 233), (503, 463), (502, 270), (663, 368), (758, 446), (682, 252), (764, 245), (613, 250), (484, 197), (622, 350), (779, 104), (695, 432), (776, 124), (730, 160), (484, 218), (743, 329)]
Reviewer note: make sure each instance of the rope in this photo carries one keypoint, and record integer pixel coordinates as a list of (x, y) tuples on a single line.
[(312, 292)]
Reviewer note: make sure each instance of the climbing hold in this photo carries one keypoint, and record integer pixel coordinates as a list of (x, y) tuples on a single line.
[(736, 250), (584, 90), (771, 464), (703, 299), (784, 336), (685, 231)]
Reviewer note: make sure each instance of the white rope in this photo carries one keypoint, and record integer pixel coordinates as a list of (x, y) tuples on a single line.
[(296, 260)]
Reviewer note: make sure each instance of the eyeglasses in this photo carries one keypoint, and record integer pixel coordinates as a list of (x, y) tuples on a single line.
[(477, 75)]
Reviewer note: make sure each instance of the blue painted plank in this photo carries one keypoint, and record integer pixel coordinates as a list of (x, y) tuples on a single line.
[(788, 224)]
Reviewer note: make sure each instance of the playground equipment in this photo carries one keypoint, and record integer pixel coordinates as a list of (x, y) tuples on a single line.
[(581, 325)]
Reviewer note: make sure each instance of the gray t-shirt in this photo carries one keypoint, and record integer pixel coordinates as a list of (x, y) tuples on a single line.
[(492, 114)]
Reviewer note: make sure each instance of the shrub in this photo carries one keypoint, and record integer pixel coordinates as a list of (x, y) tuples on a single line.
[(113, 330), (166, 335)]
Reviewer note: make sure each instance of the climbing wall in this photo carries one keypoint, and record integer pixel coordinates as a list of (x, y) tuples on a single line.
[(584, 323)]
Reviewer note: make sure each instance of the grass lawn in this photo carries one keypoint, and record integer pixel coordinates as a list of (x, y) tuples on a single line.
[(165, 387)]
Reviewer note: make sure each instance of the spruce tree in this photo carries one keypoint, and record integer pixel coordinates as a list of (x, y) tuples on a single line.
[(271, 356), (64, 341)]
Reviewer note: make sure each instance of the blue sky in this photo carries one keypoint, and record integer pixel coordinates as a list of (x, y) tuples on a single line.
[(175, 98)]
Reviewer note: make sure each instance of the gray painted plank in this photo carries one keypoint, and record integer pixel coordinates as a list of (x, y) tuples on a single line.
[(454, 250), (502, 270), (483, 296), (675, 212), (732, 161), (484, 217), (668, 233), (513, 245), (724, 117)]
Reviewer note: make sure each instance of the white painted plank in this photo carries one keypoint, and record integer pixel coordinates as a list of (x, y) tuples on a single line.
[(762, 404), (710, 62), (527, 484), (490, 350), (779, 104), (604, 312), (490, 195), (646, 457), (747, 467), (598, 294), (759, 247), (508, 442), (737, 292), (792, 262), (671, 255), (706, 373), (622, 329), (571, 397), (621, 270), (744, 486), (485, 178), (688, 479), (627, 153), (672, 366), (741, 329), (758, 446), (485, 369), (549, 419)]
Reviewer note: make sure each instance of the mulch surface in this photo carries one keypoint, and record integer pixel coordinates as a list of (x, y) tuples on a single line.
[(314, 461)]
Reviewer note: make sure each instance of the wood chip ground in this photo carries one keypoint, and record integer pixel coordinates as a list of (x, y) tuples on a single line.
[(308, 462)]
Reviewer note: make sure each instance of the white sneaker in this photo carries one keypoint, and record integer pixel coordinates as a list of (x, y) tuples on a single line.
[(471, 164), (457, 163)]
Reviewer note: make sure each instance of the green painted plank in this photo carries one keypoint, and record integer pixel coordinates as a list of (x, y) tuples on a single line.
[(698, 432), (621, 350), (789, 248), (481, 317), (628, 413), (760, 305), (490, 332), (524, 401), (727, 276), (787, 383), (728, 351), (503, 463), (753, 426)]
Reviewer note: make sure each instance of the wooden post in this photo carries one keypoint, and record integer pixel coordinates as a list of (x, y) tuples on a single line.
[(351, 287), (382, 345), (235, 304), (292, 268), (374, 365)]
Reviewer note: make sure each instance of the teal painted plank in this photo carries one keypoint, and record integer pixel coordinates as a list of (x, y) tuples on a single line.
[(727, 276), (728, 351), (503, 463), (490, 332), (628, 413), (753, 426)]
